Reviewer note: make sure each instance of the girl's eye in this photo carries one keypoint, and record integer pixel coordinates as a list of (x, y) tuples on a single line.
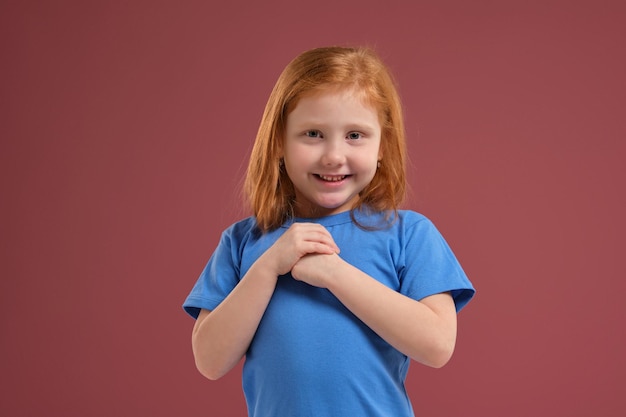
[(313, 134), (354, 135)]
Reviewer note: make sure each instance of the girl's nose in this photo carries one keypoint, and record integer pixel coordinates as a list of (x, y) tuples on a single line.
[(334, 154)]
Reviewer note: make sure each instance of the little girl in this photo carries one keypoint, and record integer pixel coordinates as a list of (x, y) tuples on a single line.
[(330, 288)]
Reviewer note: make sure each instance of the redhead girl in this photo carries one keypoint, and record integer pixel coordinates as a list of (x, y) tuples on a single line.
[(329, 289)]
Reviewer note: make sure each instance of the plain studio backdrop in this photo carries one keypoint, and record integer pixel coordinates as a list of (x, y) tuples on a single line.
[(125, 130)]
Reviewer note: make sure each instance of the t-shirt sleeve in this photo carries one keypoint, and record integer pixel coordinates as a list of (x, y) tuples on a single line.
[(217, 280), (430, 266)]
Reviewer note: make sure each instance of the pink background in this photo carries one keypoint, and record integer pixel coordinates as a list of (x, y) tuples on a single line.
[(125, 129)]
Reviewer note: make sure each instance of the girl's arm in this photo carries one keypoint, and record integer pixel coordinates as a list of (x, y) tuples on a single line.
[(221, 337), (423, 330)]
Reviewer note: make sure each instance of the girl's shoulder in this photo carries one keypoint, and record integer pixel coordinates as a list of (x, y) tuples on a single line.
[(241, 230), (411, 216), (406, 219), (245, 224), (393, 222)]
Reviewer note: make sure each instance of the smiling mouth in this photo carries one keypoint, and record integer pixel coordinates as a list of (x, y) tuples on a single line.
[(331, 178)]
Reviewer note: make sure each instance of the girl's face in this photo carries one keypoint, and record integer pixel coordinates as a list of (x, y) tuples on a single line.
[(331, 150)]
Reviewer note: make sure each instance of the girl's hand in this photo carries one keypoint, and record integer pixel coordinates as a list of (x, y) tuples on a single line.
[(317, 269), (299, 240)]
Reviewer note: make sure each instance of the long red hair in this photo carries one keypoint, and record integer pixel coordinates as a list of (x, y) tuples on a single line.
[(268, 189)]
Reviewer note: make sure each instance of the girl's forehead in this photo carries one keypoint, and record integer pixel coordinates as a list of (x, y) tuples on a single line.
[(350, 91)]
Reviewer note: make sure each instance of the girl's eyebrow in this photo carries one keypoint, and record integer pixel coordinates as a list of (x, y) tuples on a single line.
[(318, 124), (360, 126)]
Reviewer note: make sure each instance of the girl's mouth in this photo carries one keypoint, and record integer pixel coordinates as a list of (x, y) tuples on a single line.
[(331, 178)]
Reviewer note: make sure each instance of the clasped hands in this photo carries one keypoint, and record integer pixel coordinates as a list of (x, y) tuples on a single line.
[(308, 251)]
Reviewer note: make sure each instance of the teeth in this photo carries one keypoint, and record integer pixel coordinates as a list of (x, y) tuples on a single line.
[(332, 179)]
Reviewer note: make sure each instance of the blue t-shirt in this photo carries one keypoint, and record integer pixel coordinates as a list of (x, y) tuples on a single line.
[(310, 355)]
